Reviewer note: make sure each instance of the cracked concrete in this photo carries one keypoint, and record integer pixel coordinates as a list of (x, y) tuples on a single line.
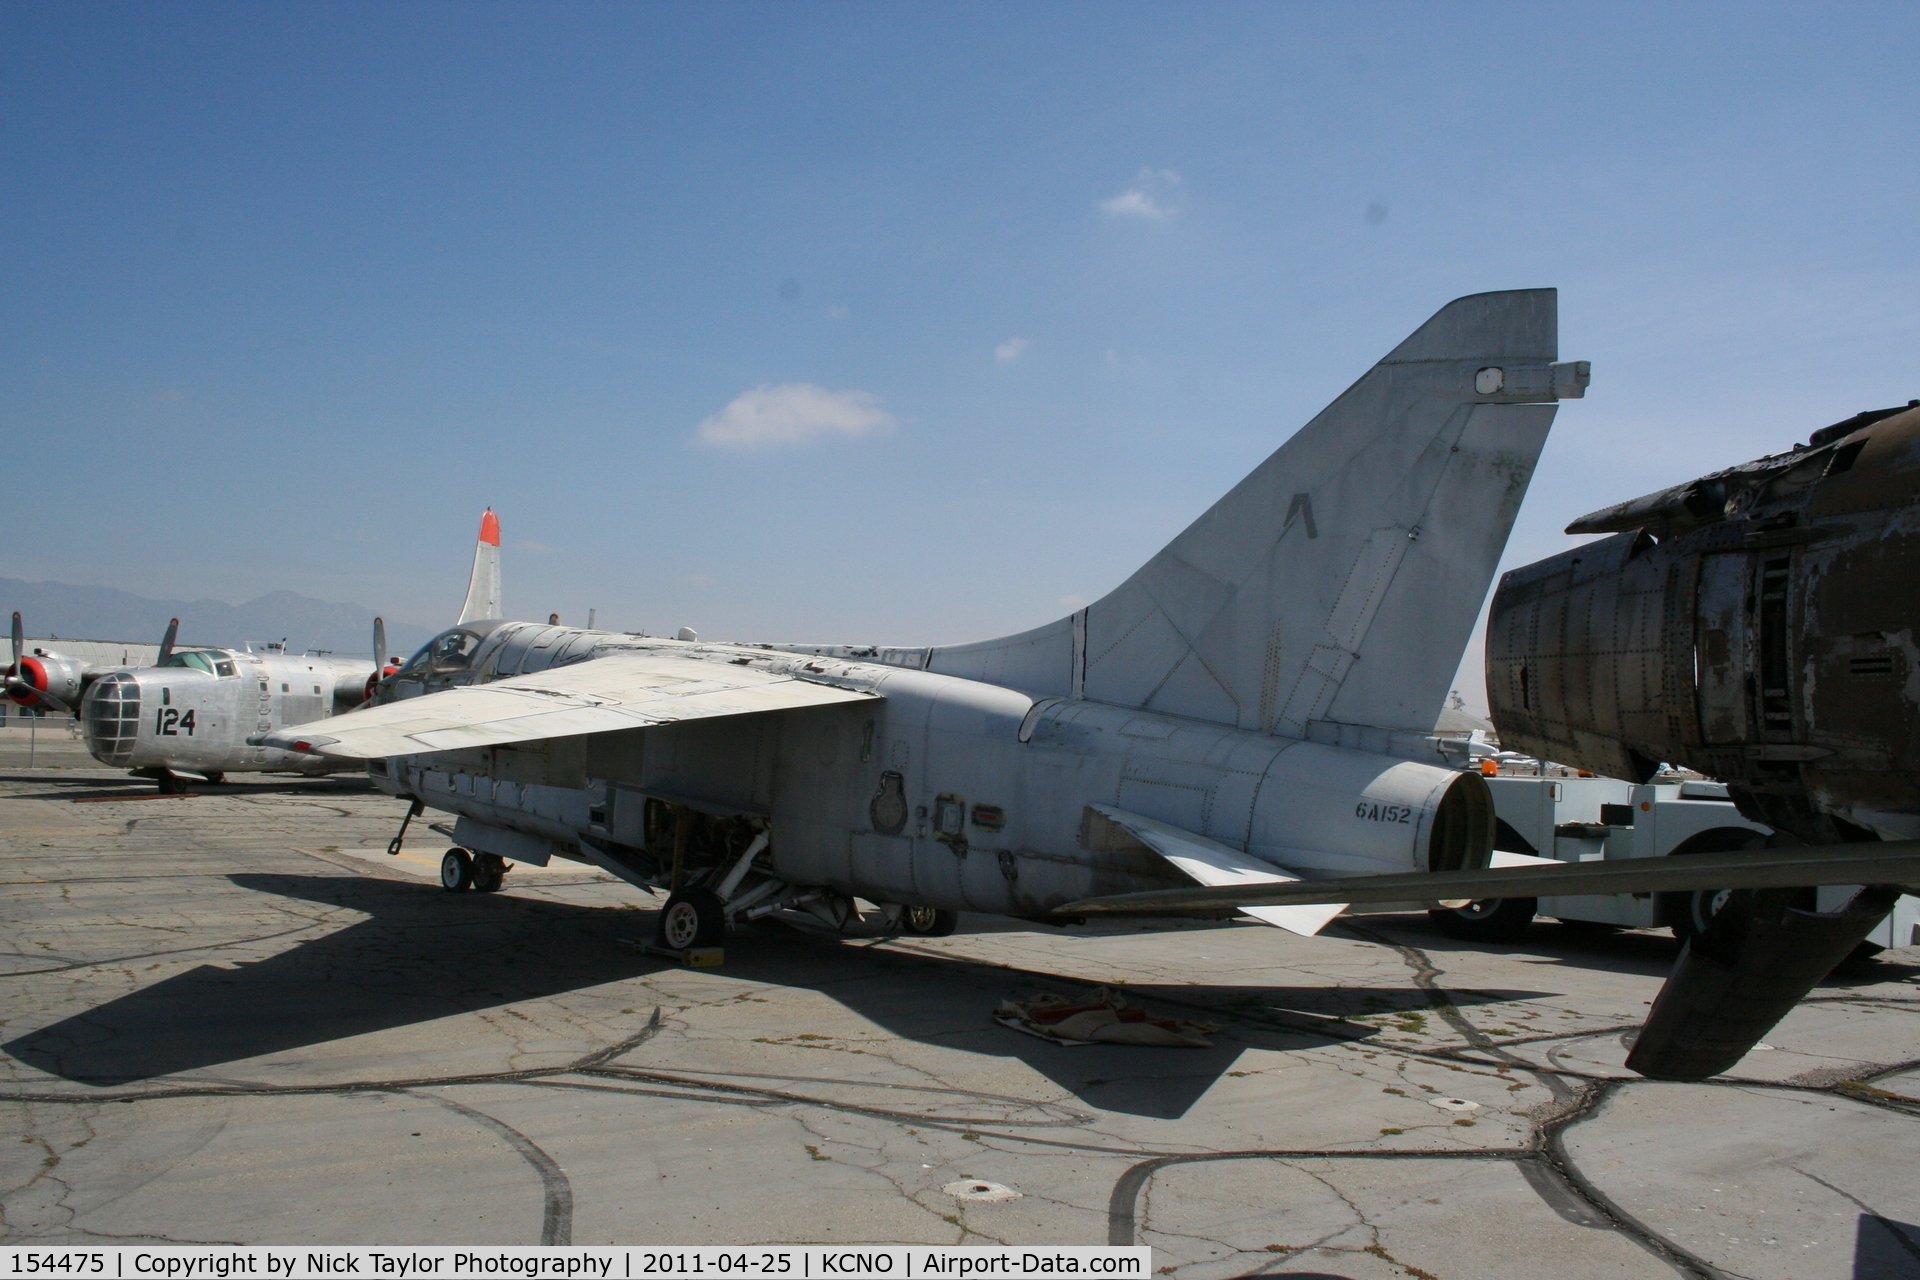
[(227, 1018)]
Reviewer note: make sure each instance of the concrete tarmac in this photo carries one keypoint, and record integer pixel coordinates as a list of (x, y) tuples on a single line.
[(230, 1017)]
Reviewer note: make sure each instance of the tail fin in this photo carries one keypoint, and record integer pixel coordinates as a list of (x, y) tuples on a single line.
[(1339, 581), (483, 587)]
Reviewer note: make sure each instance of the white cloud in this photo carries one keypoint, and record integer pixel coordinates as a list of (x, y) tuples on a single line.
[(1010, 350), (1149, 198), (794, 413)]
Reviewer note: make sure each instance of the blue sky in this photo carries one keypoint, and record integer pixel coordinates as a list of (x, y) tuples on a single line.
[(290, 292)]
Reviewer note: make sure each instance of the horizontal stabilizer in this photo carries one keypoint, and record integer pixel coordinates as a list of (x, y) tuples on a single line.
[(1889, 862), (627, 689), (1215, 864)]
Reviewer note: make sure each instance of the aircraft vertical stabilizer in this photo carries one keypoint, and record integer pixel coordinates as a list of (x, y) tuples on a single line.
[(1338, 582), (483, 586)]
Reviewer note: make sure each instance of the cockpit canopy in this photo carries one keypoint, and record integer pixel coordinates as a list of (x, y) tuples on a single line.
[(452, 650), (212, 661)]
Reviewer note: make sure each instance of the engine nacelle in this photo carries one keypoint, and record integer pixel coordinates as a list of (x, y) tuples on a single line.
[(1333, 809), (51, 673)]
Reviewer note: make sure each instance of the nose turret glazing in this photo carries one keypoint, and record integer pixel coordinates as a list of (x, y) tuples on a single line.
[(110, 718)]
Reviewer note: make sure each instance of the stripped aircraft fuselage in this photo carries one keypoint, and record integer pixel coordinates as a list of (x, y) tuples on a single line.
[(939, 790)]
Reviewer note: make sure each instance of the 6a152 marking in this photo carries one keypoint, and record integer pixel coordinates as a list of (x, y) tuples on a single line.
[(1373, 812)]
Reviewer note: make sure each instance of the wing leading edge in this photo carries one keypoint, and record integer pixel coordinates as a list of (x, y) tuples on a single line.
[(622, 690)]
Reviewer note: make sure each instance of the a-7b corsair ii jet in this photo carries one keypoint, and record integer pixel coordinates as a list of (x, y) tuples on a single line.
[(1248, 717)]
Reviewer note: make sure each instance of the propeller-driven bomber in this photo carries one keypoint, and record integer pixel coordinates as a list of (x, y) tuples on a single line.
[(1243, 726), (194, 709)]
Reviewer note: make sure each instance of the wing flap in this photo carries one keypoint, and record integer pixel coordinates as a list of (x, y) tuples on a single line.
[(630, 689), (1894, 862), (1214, 864)]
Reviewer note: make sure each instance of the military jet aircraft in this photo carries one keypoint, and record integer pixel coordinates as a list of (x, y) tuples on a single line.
[(1244, 725)]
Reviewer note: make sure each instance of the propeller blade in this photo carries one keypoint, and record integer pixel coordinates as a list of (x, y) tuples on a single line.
[(166, 642), (19, 639), (21, 691), (379, 644)]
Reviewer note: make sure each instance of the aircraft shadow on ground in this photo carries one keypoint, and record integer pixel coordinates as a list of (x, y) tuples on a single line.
[(423, 954), (1884, 1249)]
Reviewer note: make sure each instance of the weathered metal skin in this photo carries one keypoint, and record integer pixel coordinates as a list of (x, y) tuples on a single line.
[(950, 793), (1758, 624), (196, 712)]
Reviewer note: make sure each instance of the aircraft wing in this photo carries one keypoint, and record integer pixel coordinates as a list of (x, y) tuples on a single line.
[(1894, 862), (1215, 864), (624, 690)]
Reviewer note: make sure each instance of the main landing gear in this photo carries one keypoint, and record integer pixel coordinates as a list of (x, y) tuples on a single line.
[(928, 922), (693, 917), (461, 870)]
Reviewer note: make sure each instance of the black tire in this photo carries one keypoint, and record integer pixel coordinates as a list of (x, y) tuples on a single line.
[(456, 871), (693, 917), (489, 872), (215, 778), (1686, 913), (1486, 920), (928, 922), (170, 783)]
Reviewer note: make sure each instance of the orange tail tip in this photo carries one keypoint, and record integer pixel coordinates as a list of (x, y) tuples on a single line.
[(490, 528)]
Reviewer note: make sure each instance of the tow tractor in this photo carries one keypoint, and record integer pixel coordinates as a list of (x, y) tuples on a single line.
[(1549, 811)]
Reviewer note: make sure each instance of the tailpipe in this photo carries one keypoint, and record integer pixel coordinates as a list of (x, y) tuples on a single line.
[(1735, 980)]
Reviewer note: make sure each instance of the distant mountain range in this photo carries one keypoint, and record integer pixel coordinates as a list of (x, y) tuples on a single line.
[(102, 613)]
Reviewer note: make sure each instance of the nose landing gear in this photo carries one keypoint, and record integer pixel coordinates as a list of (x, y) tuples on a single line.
[(461, 870)]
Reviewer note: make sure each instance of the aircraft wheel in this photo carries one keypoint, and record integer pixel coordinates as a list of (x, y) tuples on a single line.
[(489, 872), (693, 917), (170, 783), (1486, 920), (215, 778), (928, 922), (456, 871)]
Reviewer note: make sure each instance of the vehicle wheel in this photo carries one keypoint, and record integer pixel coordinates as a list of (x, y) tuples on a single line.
[(170, 783), (1688, 913), (214, 778), (928, 922), (489, 872), (456, 871), (692, 918), (1486, 920)]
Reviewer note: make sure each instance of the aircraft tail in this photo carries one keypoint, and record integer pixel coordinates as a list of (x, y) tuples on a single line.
[(1339, 582), (483, 586)]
